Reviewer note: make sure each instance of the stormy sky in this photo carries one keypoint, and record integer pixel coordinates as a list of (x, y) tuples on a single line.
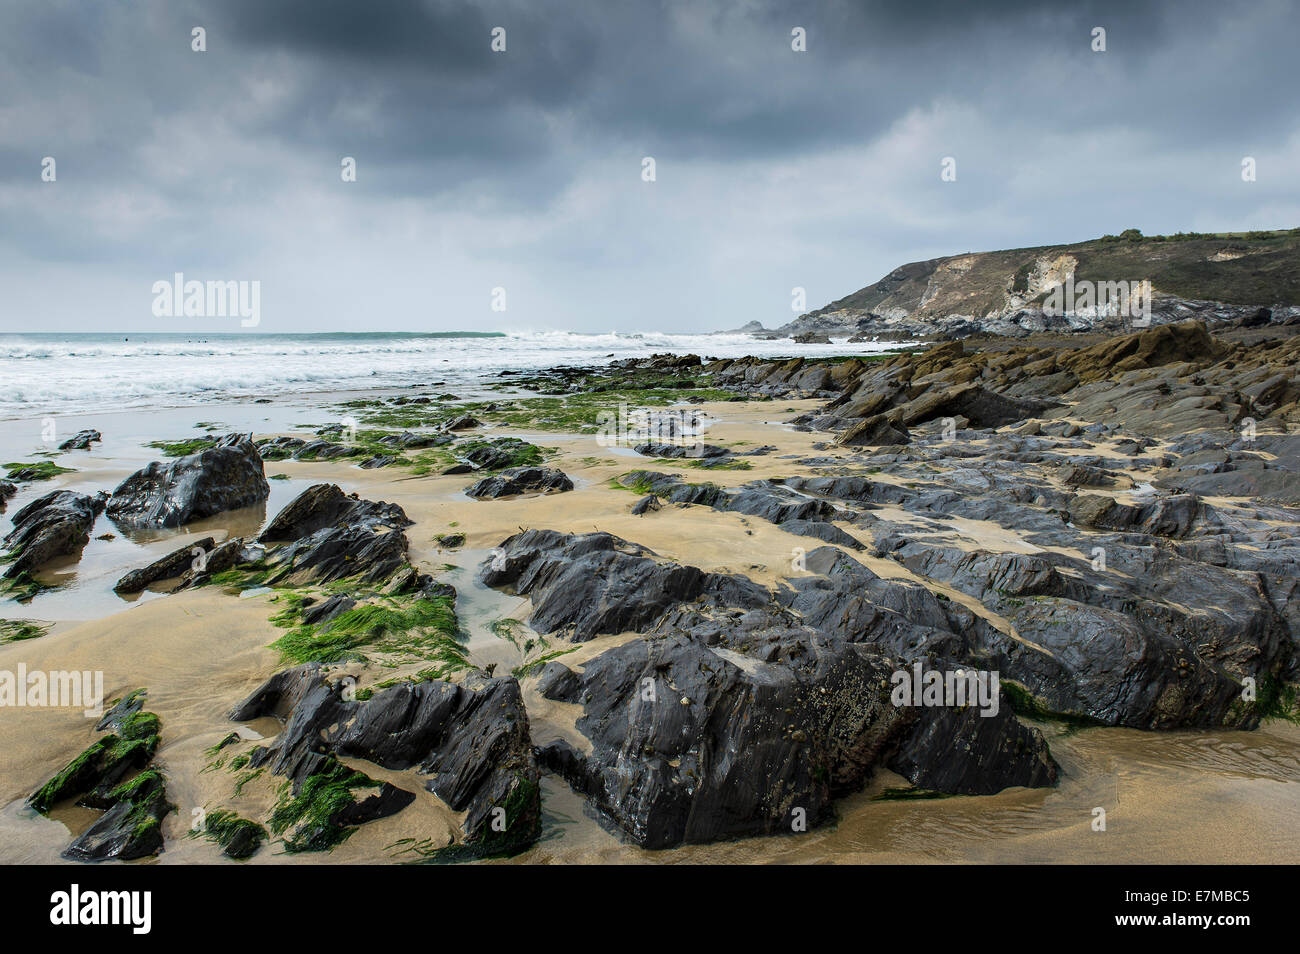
[(523, 169)]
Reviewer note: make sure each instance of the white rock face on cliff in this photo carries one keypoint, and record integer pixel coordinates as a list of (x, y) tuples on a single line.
[(1101, 284)]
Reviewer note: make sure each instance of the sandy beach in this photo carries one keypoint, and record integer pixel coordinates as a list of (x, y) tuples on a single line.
[(199, 652)]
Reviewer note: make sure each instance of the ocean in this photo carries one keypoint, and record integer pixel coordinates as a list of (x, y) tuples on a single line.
[(51, 374)]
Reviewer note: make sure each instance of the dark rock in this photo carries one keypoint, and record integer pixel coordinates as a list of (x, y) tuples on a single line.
[(669, 715), (470, 740), (557, 681), (321, 450), (409, 441), (325, 611), (1084, 652), (174, 564), (1259, 318), (875, 431), (822, 531), (363, 551), (226, 555), (769, 500), (52, 526), (415, 441), (653, 449), (326, 505), (978, 405), (389, 800), (130, 828), (244, 842), (278, 448), (227, 476), (462, 423), (121, 711), (112, 774), (81, 440), (1078, 475), (23, 474), (1269, 485), (435, 589), (1166, 517), (998, 752), (596, 583), (520, 480), (647, 504)]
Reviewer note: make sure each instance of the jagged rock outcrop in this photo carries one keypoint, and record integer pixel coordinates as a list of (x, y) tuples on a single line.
[(769, 500), (470, 740), (114, 774), (732, 715), (326, 505), (363, 551), (51, 526), (520, 480), (579, 583), (1163, 380)]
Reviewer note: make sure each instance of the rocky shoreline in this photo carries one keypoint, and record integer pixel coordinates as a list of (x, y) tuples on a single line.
[(1112, 285), (1106, 528), (1021, 322)]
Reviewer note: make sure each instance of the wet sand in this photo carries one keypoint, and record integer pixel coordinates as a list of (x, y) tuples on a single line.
[(1214, 797)]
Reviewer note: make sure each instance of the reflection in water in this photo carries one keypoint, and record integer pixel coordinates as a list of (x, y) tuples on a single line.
[(83, 587), (244, 522)]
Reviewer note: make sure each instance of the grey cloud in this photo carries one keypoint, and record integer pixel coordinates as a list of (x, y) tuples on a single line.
[(819, 167)]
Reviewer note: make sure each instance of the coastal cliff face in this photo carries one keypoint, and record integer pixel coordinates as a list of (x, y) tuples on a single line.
[(1222, 278)]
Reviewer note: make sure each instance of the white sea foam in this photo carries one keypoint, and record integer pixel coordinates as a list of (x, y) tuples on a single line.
[(60, 374)]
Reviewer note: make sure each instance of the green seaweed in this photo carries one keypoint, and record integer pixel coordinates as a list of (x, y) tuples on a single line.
[(1278, 700), (520, 807), (244, 778), (223, 826), (138, 786), (534, 648), (425, 627), (183, 448), (245, 576), (16, 630), (310, 817), (41, 470), (1024, 703), (76, 777)]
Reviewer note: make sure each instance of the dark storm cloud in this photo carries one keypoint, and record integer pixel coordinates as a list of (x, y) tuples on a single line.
[(712, 80), (527, 163)]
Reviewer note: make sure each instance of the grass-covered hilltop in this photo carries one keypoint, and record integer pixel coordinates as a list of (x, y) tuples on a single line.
[(1193, 274)]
